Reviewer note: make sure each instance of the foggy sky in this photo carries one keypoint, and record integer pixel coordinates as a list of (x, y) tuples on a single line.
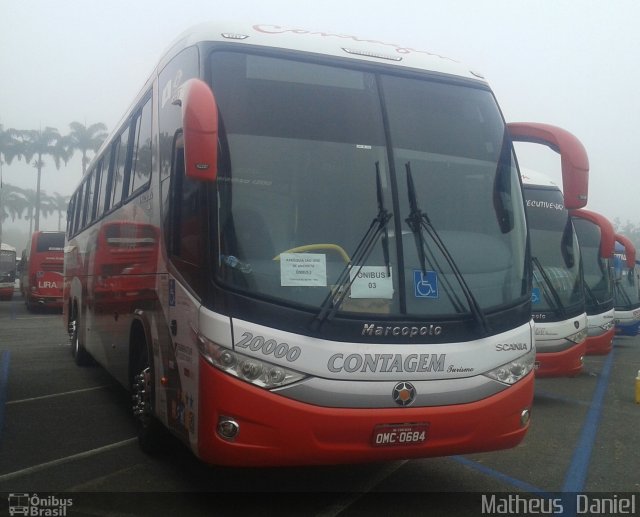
[(562, 62)]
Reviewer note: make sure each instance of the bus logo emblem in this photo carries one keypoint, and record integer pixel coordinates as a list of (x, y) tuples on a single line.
[(403, 393), (425, 284)]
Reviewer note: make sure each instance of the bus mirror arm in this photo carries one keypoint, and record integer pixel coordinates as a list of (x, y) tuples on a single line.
[(574, 159), (200, 130)]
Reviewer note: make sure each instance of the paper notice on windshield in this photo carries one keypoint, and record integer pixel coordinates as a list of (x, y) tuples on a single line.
[(371, 282), (303, 269)]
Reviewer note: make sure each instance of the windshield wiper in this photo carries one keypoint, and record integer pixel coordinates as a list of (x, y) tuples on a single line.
[(378, 226), (418, 221), (590, 294), (557, 301), (623, 294)]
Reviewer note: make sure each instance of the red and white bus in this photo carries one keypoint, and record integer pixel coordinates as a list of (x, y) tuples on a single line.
[(41, 269), (557, 299), (596, 236), (341, 271), (625, 288), (7, 271)]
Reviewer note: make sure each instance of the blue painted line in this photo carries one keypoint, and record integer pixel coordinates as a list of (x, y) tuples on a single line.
[(522, 485), (576, 476), (4, 377)]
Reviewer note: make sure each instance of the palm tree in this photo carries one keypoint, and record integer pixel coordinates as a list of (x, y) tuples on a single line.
[(86, 139), (41, 143), (8, 146), (8, 151), (59, 203), (12, 204), (30, 198)]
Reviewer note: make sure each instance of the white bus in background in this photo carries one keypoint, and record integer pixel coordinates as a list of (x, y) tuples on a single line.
[(596, 236), (7, 271), (558, 300), (331, 236), (625, 288)]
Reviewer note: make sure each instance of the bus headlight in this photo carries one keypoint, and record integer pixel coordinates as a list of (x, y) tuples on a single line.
[(578, 337), (513, 371), (607, 326), (261, 373)]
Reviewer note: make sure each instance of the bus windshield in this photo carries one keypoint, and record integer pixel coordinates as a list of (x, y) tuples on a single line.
[(597, 277), (50, 241), (303, 147), (557, 281), (626, 293), (7, 263)]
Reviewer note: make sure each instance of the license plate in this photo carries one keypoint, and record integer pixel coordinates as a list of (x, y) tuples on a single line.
[(395, 435)]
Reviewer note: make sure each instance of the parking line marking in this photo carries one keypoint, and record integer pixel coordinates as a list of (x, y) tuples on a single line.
[(66, 459), (576, 475), (4, 377), (52, 395), (341, 505), (522, 485)]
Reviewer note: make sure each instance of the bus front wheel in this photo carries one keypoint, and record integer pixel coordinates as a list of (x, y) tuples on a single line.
[(151, 434)]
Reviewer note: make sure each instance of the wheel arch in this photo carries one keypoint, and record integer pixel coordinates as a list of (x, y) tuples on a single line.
[(139, 339)]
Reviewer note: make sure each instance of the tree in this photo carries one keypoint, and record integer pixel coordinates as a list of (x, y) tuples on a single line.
[(86, 139), (8, 145), (31, 197), (12, 203), (59, 203), (8, 151), (40, 143)]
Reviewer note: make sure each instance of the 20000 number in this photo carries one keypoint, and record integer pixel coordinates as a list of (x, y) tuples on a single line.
[(269, 347)]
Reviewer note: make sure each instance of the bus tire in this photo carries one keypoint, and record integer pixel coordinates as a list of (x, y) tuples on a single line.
[(31, 307), (79, 353), (152, 436)]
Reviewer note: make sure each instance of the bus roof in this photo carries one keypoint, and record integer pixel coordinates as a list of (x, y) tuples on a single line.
[(317, 43), (6, 247), (320, 43), (531, 177)]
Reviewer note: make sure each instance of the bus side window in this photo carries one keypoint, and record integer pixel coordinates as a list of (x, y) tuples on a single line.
[(105, 178), (78, 208), (187, 221), (119, 172), (141, 160), (96, 193), (70, 212)]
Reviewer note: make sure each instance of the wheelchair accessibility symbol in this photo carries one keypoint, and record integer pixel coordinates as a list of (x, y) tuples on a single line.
[(535, 295), (425, 284)]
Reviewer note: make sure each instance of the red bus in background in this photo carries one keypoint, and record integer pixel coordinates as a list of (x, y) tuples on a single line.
[(597, 242), (7, 271), (625, 288), (41, 270), (124, 263)]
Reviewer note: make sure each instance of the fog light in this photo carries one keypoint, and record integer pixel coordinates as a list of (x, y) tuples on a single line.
[(227, 428), (525, 416)]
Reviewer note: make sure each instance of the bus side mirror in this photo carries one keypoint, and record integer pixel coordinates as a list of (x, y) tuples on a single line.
[(574, 159), (629, 250), (199, 129)]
